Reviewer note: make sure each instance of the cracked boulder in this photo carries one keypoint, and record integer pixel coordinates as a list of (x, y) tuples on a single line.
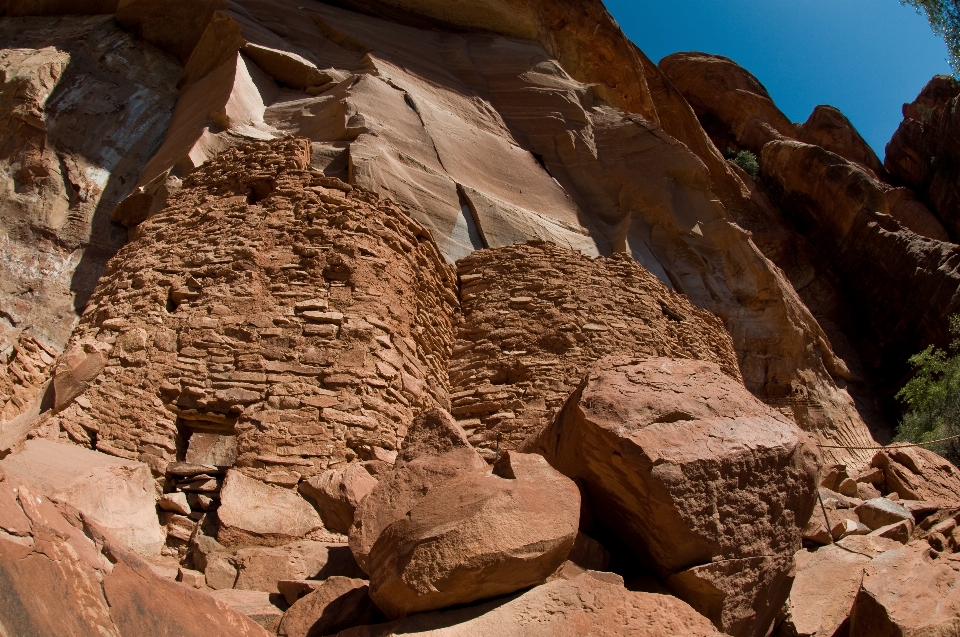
[(688, 468)]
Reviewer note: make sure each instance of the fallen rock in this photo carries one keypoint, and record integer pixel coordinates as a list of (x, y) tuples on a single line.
[(336, 604), (252, 512), (175, 502), (262, 568), (259, 606), (476, 536), (562, 608), (907, 592), (63, 574), (292, 590), (915, 473), (823, 591), (118, 494), (899, 531), (400, 489), (658, 441), (337, 493), (880, 512)]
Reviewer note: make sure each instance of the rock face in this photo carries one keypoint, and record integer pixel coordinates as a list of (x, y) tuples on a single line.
[(906, 592), (535, 317), (922, 153), (119, 495), (845, 214), (653, 441), (337, 493), (731, 104), (562, 608), (829, 129), (263, 301), (918, 474), (61, 574), (476, 536)]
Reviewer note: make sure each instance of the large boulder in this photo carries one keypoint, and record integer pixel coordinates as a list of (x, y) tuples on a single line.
[(476, 536), (562, 608), (336, 604), (915, 473), (337, 492), (688, 468), (909, 591), (437, 451), (61, 573), (252, 512), (118, 494)]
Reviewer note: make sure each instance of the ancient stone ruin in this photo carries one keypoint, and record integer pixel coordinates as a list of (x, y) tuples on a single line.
[(403, 317)]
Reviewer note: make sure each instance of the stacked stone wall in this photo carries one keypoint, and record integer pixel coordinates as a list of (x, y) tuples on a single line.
[(282, 320), (534, 316)]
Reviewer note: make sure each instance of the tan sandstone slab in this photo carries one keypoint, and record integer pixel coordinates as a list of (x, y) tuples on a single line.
[(252, 512)]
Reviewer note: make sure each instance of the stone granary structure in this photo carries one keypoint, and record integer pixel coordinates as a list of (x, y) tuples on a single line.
[(403, 317)]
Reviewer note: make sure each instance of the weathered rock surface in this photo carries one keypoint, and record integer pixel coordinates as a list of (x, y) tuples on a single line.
[(653, 441), (845, 214), (536, 316), (61, 574), (829, 129), (119, 495), (908, 592), (258, 606), (476, 536), (922, 153), (915, 473), (337, 603), (732, 105), (439, 451), (562, 608), (337, 492), (252, 512)]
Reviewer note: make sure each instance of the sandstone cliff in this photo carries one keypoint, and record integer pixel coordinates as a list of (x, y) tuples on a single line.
[(368, 310)]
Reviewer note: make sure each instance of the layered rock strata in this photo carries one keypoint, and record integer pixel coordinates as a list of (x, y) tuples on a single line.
[(84, 104), (285, 318), (535, 317)]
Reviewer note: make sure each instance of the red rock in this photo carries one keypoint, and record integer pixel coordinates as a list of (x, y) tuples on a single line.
[(881, 512), (915, 473), (336, 604), (731, 104), (255, 513), (259, 606), (652, 458), (337, 492), (562, 608), (906, 592), (120, 495), (828, 128), (476, 536)]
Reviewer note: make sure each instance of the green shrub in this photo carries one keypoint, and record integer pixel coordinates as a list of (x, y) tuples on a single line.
[(745, 159), (932, 397)]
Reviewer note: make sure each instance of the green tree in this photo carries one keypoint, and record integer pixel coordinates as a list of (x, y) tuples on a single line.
[(745, 159), (932, 397), (944, 17)]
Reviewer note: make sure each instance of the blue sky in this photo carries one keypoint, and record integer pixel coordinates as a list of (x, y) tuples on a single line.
[(866, 57)]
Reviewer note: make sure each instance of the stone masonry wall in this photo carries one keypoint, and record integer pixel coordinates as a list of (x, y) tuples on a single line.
[(535, 316), (269, 318)]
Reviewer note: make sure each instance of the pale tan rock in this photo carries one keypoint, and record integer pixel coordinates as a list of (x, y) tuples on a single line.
[(650, 440), (255, 513), (476, 536), (822, 594), (880, 512), (175, 502), (906, 592), (189, 577), (336, 604), (118, 494), (562, 608), (257, 605)]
